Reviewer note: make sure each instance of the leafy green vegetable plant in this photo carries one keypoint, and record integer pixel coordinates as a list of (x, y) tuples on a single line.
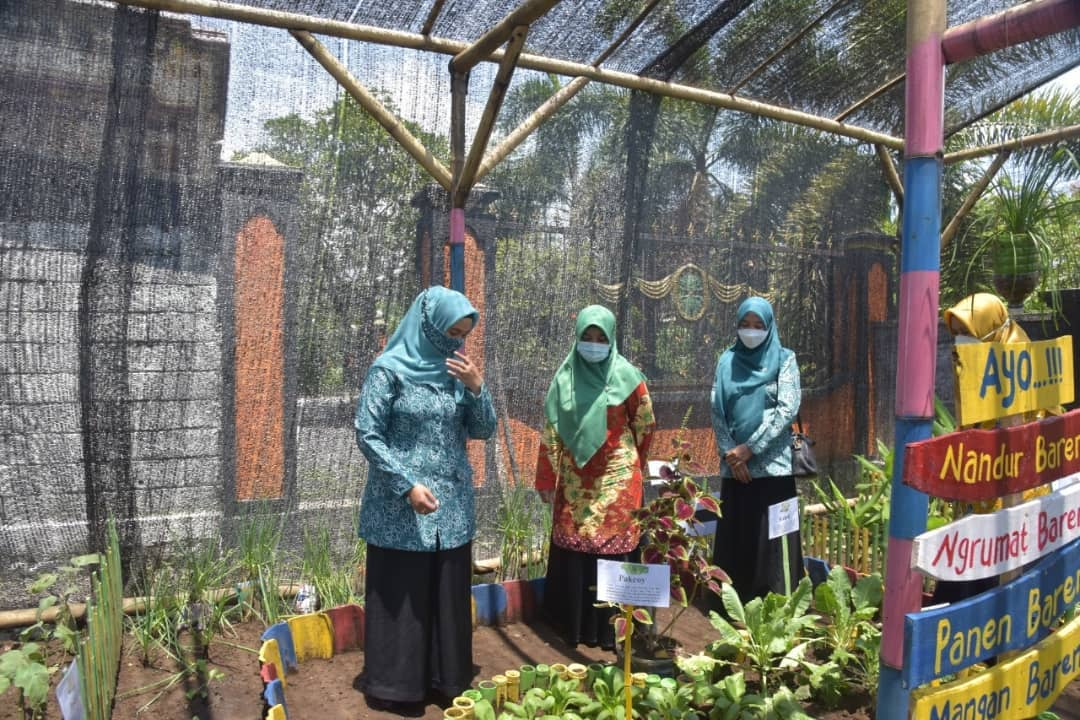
[(851, 633), (66, 580), (773, 633), (24, 670)]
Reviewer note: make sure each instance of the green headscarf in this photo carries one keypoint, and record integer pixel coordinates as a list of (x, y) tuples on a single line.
[(581, 392)]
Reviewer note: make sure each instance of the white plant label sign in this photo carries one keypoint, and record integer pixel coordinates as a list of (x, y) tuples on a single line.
[(981, 546), (633, 583), (783, 517)]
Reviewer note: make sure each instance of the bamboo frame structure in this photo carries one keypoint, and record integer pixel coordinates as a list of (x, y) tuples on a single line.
[(525, 14), (1028, 141), (972, 197), (375, 108), (336, 28), (891, 176), (464, 183)]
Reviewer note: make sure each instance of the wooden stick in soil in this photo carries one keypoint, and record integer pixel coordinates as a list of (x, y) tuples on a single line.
[(627, 681)]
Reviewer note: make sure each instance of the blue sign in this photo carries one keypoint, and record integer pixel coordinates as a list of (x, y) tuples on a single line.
[(1011, 617)]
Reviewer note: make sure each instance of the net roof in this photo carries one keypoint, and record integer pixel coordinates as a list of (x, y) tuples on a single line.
[(819, 56)]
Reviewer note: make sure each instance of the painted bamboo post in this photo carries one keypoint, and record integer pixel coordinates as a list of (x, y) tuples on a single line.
[(920, 260)]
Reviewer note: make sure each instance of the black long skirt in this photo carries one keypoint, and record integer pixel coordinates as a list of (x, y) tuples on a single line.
[(417, 623), (742, 546), (570, 597)]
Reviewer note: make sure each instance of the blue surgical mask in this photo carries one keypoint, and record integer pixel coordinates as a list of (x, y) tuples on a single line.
[(592, 351), (966, 340)]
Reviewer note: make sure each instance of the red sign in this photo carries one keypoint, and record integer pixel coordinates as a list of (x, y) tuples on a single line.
[(987, 464)]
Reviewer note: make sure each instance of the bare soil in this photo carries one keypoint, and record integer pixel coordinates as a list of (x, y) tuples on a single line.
[(325, 689)]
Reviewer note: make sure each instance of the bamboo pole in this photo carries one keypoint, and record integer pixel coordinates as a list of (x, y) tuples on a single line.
[(526, 128), (1023, 143), (556, 101), (129, 606), (374, 108), (1012, 26), (972, 197), (336, 28), (525, 14), (891, 176), (787, 44), (880, 90), (432, 16), (464, 184), (634, 24)]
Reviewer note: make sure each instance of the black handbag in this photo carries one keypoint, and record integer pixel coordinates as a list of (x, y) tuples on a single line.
[(803, 462)]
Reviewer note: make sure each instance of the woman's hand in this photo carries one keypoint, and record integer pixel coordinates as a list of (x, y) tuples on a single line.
[(736, 458), (547, 496), (423, 501), (464, 370)]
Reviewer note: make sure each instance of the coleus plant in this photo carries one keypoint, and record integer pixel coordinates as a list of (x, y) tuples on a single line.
[(672, 535)]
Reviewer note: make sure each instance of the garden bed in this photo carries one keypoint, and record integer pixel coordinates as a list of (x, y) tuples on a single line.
[(324, 689)]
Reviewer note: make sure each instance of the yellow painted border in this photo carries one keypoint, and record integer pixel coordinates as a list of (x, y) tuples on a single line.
[(1051, 664)]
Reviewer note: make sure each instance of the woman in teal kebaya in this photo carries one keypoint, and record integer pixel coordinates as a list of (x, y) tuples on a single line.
[(421, 401), (755, 398)]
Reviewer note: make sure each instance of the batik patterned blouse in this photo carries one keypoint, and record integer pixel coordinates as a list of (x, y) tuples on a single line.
[(412, 433), (771, 442), (593, 504)]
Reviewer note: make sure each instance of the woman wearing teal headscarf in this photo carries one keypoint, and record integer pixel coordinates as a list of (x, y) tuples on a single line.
[(422, 399), (755, 398), (599, 422)]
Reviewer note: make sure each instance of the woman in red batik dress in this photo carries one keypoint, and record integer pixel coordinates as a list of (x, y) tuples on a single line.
[(599, 422)]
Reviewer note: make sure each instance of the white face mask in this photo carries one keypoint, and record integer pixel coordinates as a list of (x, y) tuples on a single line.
[(965, 340), (752, 337), (592, 351)]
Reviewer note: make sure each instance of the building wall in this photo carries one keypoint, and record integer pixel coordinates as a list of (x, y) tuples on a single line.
[(120, 237)]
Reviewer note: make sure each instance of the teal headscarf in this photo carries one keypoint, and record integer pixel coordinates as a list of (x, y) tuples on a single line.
[(581, 391), (419, 347), (743, 375)]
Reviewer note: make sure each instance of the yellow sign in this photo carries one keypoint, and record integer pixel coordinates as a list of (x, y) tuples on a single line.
[(994, 380), (1020, 688)]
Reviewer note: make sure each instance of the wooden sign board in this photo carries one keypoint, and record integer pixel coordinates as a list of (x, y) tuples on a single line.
[(994, 380), (1019, 688), (987, 464), (948, 639), (980, 546)]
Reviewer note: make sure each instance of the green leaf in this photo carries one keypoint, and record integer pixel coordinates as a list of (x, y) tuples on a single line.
[(5, 683), (11, 661), (45, 603), (733, 605), (42, 583), (84, 560), (33, 678)]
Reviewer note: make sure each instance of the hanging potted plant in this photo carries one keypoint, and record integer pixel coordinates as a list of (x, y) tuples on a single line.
[(1017, 220), (671, 535)]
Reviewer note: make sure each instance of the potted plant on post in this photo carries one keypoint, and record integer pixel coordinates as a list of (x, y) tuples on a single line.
[(1017, 220), (671, 534)]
